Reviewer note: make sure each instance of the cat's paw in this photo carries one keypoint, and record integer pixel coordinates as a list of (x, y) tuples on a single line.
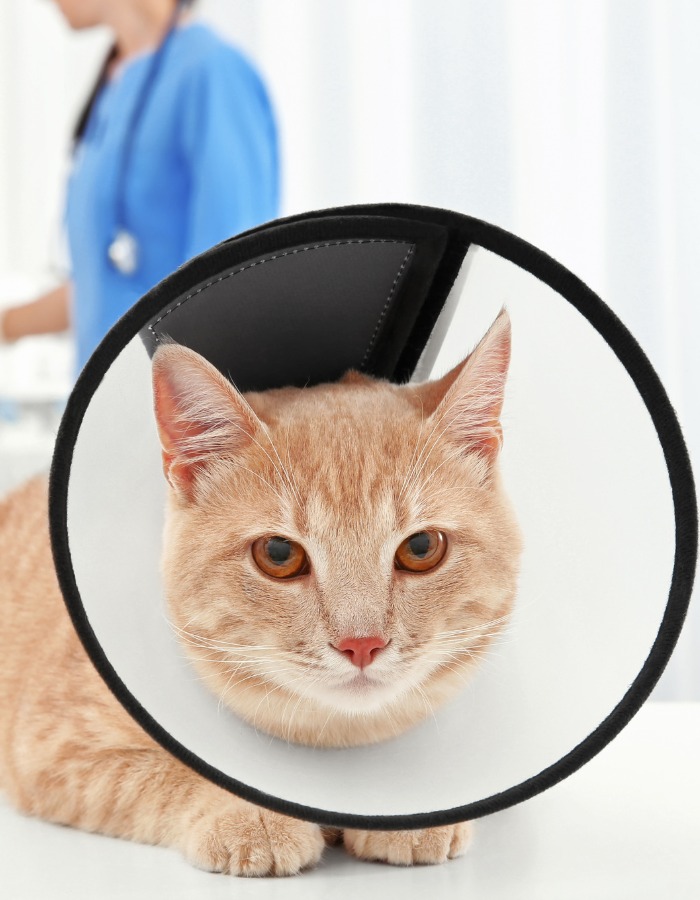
[(248, 840), (408, 848)]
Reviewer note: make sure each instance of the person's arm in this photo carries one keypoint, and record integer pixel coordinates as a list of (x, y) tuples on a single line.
[(48, 314)]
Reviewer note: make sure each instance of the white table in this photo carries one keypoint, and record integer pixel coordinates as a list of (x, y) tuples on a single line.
[(625, 827)]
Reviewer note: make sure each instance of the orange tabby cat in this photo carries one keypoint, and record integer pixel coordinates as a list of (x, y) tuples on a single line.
[(344, 552)]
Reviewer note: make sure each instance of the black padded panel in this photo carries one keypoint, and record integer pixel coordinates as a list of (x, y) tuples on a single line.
[(305, 312), (301, 316)]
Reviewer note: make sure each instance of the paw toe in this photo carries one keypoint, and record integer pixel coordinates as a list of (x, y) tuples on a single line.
[(427, 846), (254, 842)]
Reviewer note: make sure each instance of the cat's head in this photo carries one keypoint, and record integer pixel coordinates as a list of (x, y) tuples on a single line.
[(336, 558)]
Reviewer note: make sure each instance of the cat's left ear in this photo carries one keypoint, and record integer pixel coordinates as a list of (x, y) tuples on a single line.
[(466, 403), (200, 415)]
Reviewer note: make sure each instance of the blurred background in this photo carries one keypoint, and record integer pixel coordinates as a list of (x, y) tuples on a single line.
[(573, 123)]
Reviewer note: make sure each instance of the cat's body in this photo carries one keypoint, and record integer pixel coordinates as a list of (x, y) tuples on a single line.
[(405, 567)]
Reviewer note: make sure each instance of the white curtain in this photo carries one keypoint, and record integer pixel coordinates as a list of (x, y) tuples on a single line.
[(573, 123)]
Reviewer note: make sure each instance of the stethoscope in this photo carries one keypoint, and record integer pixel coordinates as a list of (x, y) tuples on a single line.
[(123, 250)]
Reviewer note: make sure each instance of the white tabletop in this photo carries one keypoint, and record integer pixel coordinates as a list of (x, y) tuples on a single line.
[(627, 825)]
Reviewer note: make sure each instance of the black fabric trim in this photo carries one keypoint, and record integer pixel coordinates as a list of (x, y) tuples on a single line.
[(466, 230)]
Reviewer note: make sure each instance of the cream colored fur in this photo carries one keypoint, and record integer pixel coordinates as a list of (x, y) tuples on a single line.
[(347, 470)]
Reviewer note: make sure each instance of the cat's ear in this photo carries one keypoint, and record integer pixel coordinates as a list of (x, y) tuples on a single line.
[(200, 415), (466, 403)]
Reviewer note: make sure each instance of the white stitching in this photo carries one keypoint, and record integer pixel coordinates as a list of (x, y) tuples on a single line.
[(258, 262), (385, 309)]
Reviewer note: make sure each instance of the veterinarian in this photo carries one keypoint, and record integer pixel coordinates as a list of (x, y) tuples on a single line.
[(175, 150)]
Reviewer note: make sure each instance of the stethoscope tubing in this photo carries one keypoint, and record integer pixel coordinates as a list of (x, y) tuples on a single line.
[(123, 249)]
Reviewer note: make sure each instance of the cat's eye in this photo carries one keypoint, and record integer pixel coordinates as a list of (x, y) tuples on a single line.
[(421, 551), (279, 557)]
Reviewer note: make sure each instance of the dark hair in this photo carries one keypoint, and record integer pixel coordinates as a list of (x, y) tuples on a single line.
[(84, 117)]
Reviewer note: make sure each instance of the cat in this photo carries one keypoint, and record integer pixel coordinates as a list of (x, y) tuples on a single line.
[(336, 559)]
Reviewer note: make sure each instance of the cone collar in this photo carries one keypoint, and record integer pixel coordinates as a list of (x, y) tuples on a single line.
[(594, 461)]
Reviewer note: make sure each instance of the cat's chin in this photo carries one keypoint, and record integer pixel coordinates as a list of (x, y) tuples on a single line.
[(359, 708), (359, 695)]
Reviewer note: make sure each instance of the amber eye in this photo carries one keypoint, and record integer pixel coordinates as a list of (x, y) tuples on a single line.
[(421, 551), (280, 557)]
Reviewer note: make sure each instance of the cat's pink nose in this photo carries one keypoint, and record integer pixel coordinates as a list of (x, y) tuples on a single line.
[(361, 651)]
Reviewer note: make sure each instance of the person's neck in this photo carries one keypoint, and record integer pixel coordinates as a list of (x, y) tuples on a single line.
[(139, 27)]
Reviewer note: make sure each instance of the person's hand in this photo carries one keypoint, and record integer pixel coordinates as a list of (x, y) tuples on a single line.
[(48, 314)]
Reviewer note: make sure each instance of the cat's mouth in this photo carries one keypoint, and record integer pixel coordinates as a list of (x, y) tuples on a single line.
[(356, 693), (360, 683)]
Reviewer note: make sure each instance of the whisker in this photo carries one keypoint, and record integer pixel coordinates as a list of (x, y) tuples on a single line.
[(323, 728), (291, 470), (422, 460), (477, 626), (415, 447), (259, 477), (289, 482), (429, 707), (291, 718), (260, 446)]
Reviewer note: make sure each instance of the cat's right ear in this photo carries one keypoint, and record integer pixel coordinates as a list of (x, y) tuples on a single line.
[(200, 415)]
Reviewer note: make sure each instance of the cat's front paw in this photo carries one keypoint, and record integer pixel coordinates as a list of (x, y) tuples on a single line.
[(408, 848), (249, 840)]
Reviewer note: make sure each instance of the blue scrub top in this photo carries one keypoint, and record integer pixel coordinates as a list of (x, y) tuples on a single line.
[(203, 167)]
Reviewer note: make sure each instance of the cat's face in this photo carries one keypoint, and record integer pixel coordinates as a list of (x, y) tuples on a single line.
[(337, 557)]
